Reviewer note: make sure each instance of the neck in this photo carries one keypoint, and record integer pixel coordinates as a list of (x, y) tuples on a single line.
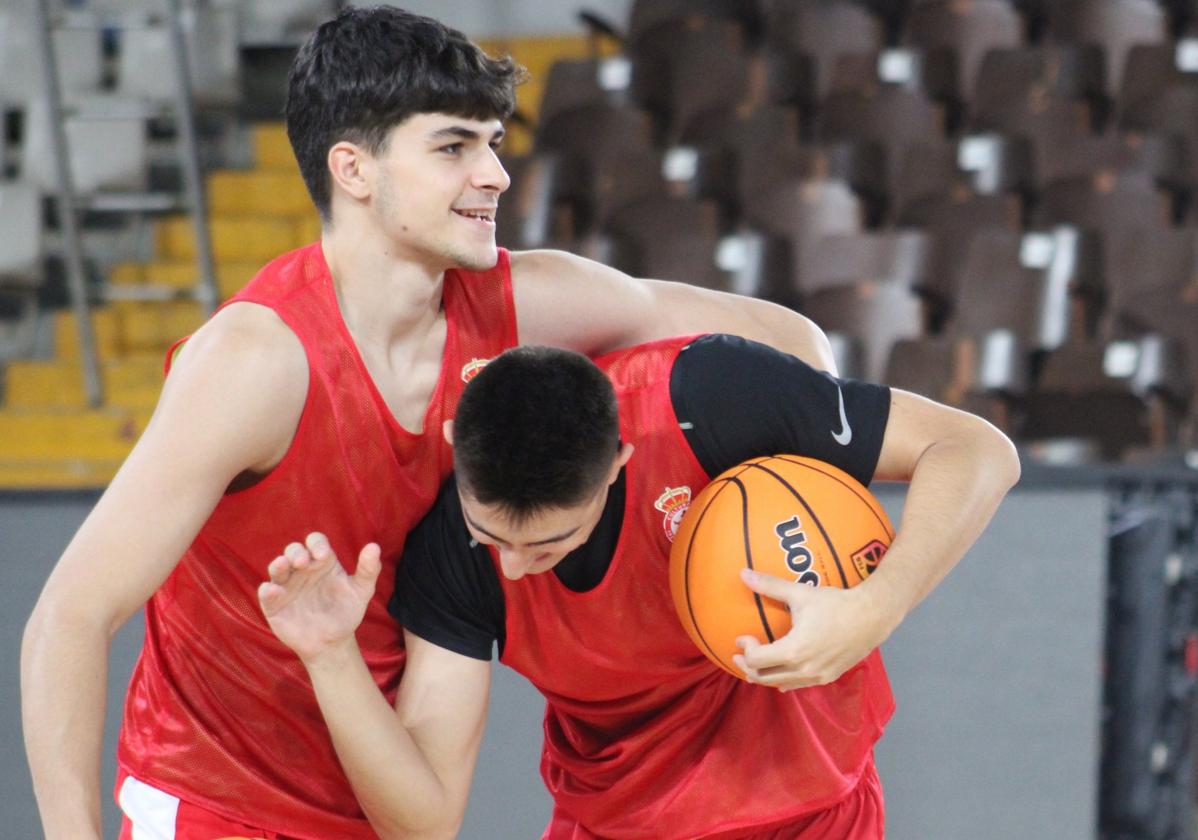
[(384, 297)]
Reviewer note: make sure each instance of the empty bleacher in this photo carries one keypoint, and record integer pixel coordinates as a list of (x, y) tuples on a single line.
[(833, 131), (937, 183)]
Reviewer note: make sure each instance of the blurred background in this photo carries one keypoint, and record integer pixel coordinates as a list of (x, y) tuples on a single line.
[(990, 202)]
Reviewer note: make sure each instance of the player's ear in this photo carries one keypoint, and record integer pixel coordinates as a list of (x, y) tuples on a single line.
[(618, 464), (447, 431), (349, 169)]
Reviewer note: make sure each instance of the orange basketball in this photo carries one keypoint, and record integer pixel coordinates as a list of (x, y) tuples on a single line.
[(791, 517)]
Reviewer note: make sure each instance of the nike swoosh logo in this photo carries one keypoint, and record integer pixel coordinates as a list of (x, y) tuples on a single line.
[(845, 436)]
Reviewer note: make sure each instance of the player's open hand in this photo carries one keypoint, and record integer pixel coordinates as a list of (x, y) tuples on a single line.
[(311, 604), (831, 631)]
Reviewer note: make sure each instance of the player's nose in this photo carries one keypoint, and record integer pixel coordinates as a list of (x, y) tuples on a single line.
[(515, 563), (489, 174)]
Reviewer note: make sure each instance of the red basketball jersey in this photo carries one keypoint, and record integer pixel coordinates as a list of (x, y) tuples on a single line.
[(643, 735), (219, 712)]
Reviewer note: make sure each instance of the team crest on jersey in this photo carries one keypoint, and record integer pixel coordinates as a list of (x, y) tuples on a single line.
[(472, 367), (673, 503)]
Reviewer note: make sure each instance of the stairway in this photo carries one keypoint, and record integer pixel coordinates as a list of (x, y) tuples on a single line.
[(49, 438)]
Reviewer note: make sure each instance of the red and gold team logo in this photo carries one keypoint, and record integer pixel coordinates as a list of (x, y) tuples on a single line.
[(866, 558), (673, 503), (472, 367)]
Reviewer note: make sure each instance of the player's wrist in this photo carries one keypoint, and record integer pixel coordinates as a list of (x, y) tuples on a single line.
[(883, 601), (332, 657)]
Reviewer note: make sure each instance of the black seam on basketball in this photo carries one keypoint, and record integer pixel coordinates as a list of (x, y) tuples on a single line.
[(812, 515), (842, 483), (687, 575), (744, 531)]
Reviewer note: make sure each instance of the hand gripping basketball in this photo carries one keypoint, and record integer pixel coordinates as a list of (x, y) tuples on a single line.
[(807, 532)]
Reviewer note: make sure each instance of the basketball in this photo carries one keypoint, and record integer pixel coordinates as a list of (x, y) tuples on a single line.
[(795, 518)]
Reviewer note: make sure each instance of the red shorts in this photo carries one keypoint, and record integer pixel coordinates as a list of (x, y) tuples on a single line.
[(859, 816), (151, 814)]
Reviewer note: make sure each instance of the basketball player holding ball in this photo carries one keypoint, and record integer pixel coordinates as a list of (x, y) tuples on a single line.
[(552, 544)]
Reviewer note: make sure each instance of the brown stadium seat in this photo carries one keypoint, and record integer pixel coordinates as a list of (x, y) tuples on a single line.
[(1161, 157), (583, 138), (1174, 113), (931, 72), (622, 179), (1148, 72), (848, 258), (731, 141), (985, 374), (1054, 123), (823, 31), (666, 60), (1129, 387), (886, 115), (1115, 25), (531, 215), (575, 83), (1138, 260), (801, 212), (868, 132), (952, 223), (982, 164), (646, 17), (1021, 80), (593, 131), (1013, 282), (1104, 203), (707, 67), (970, 28), (875, 314), (671, 239), (1121, 396)]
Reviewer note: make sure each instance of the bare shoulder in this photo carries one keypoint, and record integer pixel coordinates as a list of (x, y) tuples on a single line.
[(244, 371), (558, 267)]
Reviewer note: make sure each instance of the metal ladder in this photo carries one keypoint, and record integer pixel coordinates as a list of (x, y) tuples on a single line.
[(71, 205)]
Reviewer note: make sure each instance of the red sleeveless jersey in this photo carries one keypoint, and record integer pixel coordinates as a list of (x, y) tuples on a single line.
[(219, 712), (644, 737)]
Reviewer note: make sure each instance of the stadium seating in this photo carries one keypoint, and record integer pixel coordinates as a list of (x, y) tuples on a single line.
[(989, 202)]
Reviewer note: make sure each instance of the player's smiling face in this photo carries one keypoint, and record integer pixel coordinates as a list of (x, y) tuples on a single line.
[(537, 544), (437, 189)]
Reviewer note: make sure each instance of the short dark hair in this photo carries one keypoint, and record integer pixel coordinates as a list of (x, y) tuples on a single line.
[(367, 70), (537, 428)]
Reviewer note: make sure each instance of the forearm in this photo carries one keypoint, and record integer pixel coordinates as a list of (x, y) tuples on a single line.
[(394, 782), (64, 675), (955, 489)]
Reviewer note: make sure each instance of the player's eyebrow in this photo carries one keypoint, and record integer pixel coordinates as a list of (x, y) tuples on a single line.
[(460, 132), (487, 533)]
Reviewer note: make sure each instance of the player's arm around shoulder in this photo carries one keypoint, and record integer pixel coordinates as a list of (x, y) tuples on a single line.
[(230, 404), (565, 300)]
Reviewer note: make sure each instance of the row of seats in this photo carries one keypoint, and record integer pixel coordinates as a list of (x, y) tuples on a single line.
[(1005, 251)]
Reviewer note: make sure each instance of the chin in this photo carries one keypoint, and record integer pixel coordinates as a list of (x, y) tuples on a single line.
[(476, 259)]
